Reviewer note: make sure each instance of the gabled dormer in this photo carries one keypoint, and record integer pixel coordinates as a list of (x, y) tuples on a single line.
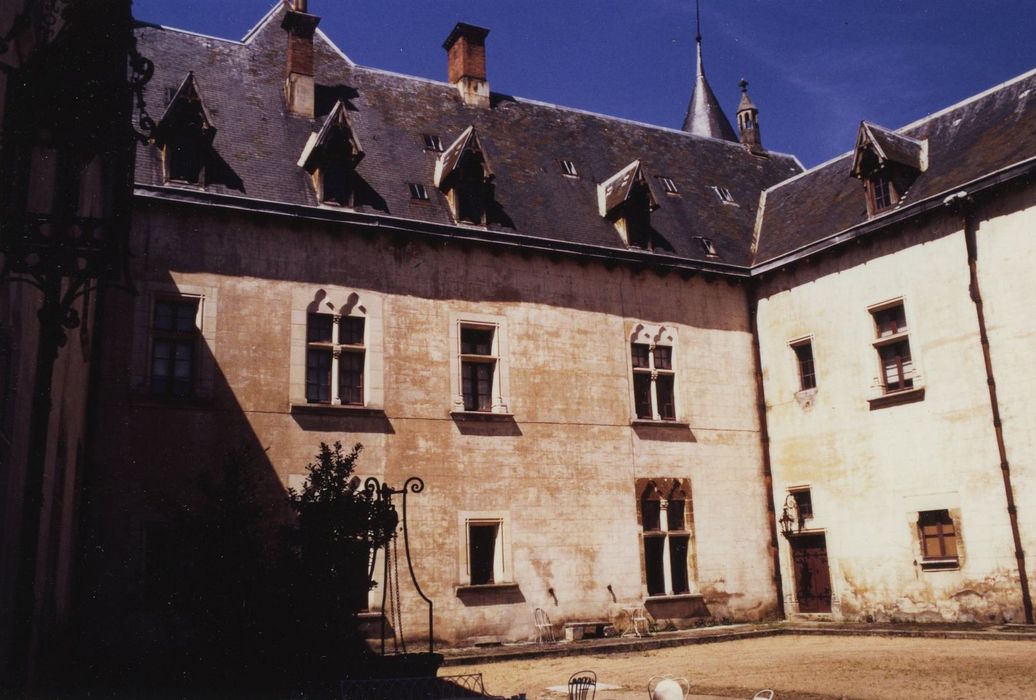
[(330, 157), (462, 172), (887, 164), (626, 199), (184, 134)]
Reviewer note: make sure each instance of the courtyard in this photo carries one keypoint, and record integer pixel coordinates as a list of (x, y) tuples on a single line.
[(796, 667)]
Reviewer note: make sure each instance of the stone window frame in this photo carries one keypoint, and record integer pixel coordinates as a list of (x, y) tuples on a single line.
[(663, 486), (881, 394), (796, 345), (940, 561), (203, 381), (338, 302), (501, 401), (653, 335), (503, 568)]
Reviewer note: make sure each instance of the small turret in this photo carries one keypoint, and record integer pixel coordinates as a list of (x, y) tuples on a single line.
[(704, 115), (748, 121)]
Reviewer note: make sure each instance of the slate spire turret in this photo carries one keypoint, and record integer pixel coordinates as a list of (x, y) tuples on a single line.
[(704, 115)]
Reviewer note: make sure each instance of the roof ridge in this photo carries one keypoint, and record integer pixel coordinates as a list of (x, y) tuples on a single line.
[(250, 34), (913, 125)]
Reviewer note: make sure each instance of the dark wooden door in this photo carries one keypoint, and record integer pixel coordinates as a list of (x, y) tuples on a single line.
[(812, 578)]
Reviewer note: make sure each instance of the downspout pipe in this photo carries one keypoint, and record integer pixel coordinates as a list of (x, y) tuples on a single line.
[(764, 438), (963, 205)]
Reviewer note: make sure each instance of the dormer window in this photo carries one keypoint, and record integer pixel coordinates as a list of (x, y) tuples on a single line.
[(331, 156), (568, 168), (708, 247), (723, 194), (887, 163), (626, 199), (418, 191), (463, 173), (185, 133)]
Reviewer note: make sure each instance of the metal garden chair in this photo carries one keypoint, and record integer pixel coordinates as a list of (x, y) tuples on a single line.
[(668, 688), (582, 685), (544, 630)]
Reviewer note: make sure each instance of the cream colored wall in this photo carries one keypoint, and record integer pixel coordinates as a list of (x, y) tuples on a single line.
[(562, 469), (872, 471), (1006, 251)]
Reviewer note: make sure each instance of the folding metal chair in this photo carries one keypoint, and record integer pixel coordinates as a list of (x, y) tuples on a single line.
[(544, 630)]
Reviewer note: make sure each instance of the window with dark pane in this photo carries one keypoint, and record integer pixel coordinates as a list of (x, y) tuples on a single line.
[(663, 357), (319, 328), (350, 330), (665, 398), (651, 510), (675, 514), (654, 564), (470, 190), (184, 152), (174, 333), (804, 503), (318, 375), (804, 357), (881, 192), (642, 395), (896, 365), (890, 321), (482, 539), (337, 182), (350, 377), (637, 215), (678, 548)]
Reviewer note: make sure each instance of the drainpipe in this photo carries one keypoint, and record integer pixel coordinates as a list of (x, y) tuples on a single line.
[(963, 205), (764, 438)]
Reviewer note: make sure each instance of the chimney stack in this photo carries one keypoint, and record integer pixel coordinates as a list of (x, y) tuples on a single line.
[(466, 51), (299, 90)]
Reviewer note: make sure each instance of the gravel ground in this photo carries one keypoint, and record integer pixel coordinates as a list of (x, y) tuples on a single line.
[(796, 667)]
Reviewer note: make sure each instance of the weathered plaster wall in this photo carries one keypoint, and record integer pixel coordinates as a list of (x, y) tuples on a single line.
[(871, 470), (563, 469)]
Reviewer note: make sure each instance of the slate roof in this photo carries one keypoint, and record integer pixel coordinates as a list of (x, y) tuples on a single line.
[(983, 135), (259, 146), (704, 116)]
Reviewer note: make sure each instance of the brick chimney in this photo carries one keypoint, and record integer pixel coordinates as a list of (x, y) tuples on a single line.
[(299, 91), (466, 51)]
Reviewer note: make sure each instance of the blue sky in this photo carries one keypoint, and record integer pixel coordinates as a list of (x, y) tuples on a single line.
[(815, 67)]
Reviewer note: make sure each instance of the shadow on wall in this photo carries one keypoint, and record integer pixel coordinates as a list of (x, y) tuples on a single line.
[(190, 575)]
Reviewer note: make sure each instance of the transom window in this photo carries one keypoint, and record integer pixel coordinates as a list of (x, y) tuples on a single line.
[(478, 367), (893, 348), (174, 338), (938, 539), (335, 357), (653, 381)]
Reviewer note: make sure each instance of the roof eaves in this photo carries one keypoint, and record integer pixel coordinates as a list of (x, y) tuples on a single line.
[(391, 224)]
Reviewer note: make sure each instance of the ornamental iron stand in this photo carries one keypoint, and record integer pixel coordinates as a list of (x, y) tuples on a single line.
[(384, 492)]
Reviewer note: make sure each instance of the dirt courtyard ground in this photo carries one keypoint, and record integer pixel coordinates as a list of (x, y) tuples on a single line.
[(796, 667)]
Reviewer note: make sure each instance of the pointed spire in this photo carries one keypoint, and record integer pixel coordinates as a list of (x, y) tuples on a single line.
[(704, 115)]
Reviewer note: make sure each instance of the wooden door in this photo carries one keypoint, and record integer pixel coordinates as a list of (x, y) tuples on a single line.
[(812, 578)]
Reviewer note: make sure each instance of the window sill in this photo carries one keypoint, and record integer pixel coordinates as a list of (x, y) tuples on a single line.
[(896, 398), (671, 597), (325, 409), (481, 416), (485, 587), (647, 422), (940, 565)]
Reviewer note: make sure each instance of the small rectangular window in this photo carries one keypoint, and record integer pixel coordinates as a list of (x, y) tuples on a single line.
[(174, 331), (804, 358), (668, 186), (417, 191), (477, 368), (327, 357), (938, 539), (432, 142), (708, 246), (485, 552), (653, 382), (893, 348), (804, 503), (568, 168), (723, 194), (881, 194)]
